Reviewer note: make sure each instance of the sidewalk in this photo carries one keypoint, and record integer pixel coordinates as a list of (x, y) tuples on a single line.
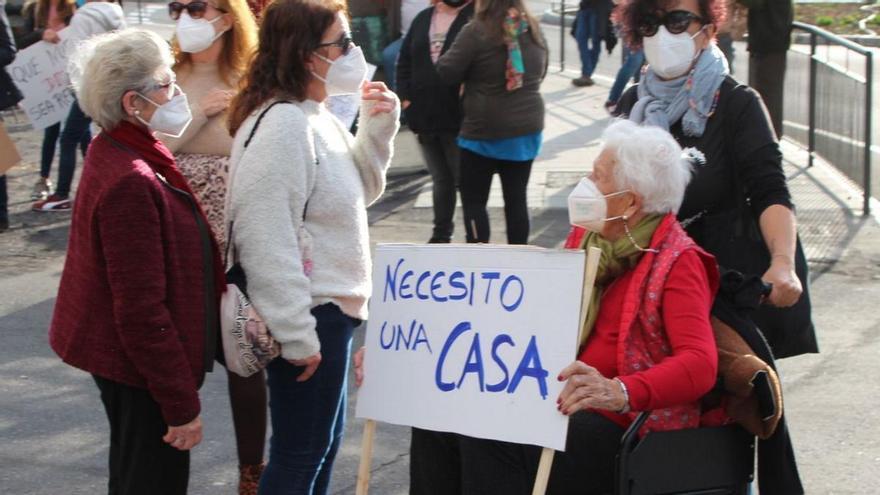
[(56, 433)]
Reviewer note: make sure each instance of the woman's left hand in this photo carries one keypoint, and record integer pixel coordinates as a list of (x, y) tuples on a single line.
[(586, 388), (787, 287), (386, 100)]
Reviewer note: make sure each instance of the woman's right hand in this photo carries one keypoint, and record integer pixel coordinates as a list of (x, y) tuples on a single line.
[(51, 36), (185, 437), (311, 364), (359, 366), (216, 101)]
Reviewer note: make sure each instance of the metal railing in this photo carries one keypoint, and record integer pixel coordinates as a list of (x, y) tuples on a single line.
[(837, 123)]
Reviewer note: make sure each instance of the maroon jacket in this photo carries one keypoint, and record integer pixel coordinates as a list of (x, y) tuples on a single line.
[(132, 303)]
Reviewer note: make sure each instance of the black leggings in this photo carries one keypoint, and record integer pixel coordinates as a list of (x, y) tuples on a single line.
[(476, 180)]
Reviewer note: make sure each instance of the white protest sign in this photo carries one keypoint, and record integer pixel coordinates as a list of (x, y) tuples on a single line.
[(40, 72), (470, 339)]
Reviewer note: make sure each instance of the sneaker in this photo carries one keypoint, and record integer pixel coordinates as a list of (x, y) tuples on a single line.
[(42, 189), (583, 81), (439, 240), (52, 203)]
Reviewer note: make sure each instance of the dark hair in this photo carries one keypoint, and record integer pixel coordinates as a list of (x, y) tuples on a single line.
[(629, 13), (490, 14), (289, 32)]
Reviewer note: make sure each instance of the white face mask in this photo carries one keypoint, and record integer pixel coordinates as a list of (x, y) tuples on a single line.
[(671, 55), (587, 206), (196, 35), (346, 73), (170, 118)]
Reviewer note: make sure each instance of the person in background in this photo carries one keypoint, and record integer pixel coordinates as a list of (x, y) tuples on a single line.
[(257, 7), (43, 19), (400, 17), (299, 186), (432, 107), (633, 59), (212, 46), (501, 58), (93, 18), (137, 306), (9, 97), (590, 28), (770, 25), (733, 29)]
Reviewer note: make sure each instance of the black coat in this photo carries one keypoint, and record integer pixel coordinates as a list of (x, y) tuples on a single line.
[(435, 106), (9, 93), (743, 160)]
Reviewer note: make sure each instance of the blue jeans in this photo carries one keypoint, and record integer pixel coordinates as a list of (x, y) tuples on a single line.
[(50, 139), (308, 418), (632, 62), (389, 62), (588, 40), (75, 130)]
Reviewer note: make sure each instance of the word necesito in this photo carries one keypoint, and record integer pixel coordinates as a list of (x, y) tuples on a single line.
[(439, 287)]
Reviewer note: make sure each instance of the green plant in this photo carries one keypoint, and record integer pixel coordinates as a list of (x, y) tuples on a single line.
[(824, 21)]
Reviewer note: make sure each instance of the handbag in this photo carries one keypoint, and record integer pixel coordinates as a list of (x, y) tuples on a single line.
[(248, 345)]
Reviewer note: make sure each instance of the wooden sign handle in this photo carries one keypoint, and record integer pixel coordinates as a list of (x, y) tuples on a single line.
[(590, 269), (363, 480)]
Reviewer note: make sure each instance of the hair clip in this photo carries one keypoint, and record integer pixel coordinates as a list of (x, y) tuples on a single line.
[(694, 156)]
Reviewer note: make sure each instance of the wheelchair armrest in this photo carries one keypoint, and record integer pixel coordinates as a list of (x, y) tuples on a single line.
[(631, 435)]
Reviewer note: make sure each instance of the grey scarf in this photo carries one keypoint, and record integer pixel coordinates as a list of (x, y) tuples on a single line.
[(662, 103)]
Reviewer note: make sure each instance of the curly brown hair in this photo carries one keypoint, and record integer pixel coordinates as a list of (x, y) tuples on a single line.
[(290, 31), (629, 13)]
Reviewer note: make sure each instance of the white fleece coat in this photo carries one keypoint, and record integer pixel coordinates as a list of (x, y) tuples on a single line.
[(271, 181)]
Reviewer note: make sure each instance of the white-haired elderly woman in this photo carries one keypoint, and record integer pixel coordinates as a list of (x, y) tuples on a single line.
[(646, 343), (137, 304)]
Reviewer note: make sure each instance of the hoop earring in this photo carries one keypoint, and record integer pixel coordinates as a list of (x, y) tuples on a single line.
[(632, 240)]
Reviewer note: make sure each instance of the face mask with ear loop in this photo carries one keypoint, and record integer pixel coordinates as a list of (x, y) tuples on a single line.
[(671, 55), (346, 74), (196, 35), (170, 118), (588, 207)]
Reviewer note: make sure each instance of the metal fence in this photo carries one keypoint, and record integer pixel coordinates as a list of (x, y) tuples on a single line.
[(827, 105)]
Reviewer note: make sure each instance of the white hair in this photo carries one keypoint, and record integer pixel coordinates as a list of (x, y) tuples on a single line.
[(106, 66), (650, 162)]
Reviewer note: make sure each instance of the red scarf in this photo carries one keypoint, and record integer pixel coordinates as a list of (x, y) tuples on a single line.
[(154, 153)]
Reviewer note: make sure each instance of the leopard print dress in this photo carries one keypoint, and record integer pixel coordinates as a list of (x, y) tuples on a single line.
[(207, 176)]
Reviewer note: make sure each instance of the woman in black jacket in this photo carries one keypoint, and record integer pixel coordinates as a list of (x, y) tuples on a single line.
[(432, 107), (738, 206), (9, 97)]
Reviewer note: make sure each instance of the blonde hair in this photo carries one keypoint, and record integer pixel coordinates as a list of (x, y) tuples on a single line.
[(239, 42), (108, 65)]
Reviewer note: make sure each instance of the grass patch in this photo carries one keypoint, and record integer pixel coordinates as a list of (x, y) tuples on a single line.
[(839, 18)]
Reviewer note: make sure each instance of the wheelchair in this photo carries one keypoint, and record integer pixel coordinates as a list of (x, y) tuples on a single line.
[(697, 461)]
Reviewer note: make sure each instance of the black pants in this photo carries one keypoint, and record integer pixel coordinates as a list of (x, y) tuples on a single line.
[(4, 199), (441, 156), (476, 180), (767, 77), (140, 461), (443, 463)]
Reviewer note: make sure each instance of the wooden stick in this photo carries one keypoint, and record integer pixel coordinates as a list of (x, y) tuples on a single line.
[(590, 269), (363, 480)]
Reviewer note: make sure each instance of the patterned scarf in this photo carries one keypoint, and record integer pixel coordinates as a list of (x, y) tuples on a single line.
[(692, 99), (514, 25), (618, 257)]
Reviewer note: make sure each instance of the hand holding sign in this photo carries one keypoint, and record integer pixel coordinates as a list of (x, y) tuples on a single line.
[(586, 388)]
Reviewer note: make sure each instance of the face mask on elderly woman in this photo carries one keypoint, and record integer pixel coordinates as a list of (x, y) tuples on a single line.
[(170, 118), (588, 207)]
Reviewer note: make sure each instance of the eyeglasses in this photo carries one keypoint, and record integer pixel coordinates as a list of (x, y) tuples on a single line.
[(196, 9), (676, 22), (345, 43)]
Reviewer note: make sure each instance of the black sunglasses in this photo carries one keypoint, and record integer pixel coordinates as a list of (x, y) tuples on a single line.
[(195, 9), (676, 22), (344, 43)]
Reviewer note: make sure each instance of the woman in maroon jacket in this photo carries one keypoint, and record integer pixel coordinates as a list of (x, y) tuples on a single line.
[(137, 305)]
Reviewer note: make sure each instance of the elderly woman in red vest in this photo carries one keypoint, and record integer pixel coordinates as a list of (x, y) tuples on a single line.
[(647, 343), (137, 305)]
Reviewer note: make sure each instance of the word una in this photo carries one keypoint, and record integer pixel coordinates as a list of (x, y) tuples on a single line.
[(410, 340)]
